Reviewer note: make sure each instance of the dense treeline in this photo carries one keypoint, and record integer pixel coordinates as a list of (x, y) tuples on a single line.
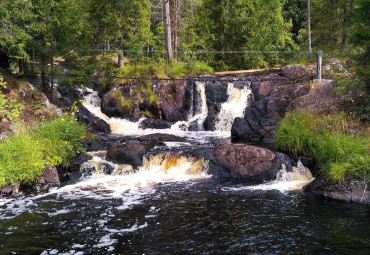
[(35, 31)]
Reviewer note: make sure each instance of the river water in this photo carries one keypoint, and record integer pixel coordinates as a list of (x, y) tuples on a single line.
[(186, 217), (171, 205)]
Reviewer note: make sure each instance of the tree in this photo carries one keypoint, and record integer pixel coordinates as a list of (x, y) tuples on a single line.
[(360, 36), (332, 21), (235, 25), (309, 30), (167, 29)]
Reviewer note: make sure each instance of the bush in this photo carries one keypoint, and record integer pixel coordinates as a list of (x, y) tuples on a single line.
[(326, 139), (24, 155)]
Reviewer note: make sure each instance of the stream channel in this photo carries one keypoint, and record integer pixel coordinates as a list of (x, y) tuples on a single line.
[(173, 206)]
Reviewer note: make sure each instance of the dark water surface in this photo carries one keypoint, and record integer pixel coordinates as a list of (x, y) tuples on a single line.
[(204, 217)]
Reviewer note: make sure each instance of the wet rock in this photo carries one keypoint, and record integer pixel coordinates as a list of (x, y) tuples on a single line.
[(113, 104), (130, 153), (9, 190), (88, 168), (161, 138), (155, 124), (123, 170), (85, 116), (98, 143), (248, 162), (74, 177), (77, 161), (240, 130), (171, 99), (351, 190), (49, 179)]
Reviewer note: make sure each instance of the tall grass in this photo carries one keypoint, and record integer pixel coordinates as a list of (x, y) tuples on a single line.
[(24, 155), (326, 139)]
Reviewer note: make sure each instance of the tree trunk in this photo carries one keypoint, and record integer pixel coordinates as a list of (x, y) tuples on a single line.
[(309, 30), (175, 26), (120, 57), (347, 22), (167, 29)]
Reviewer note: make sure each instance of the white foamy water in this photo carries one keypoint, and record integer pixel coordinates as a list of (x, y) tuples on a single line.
[(285, 180), (234, 107), (128, 128), (132, 189)]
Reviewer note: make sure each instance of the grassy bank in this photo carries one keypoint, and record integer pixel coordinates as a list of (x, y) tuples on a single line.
[(327, 139), (24, 155)]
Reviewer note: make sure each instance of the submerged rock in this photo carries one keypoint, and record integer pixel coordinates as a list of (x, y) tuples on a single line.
[(161, 138), (351, 190)]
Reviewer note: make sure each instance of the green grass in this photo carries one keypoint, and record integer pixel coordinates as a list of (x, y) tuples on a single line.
[(326, 139), (24, 155)]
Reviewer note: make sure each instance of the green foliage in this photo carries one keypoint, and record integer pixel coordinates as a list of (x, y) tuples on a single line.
[(325, 138), (9, 107), (127, 104), (23, 156)]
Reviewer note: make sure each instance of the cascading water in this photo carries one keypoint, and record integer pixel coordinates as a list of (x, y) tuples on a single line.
[(234, 107), (92, 102), (198, 109)]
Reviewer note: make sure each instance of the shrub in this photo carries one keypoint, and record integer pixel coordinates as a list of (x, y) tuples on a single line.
[(326, 139), (24, 155)]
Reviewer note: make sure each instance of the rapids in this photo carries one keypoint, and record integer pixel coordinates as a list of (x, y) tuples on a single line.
[(171, 205)]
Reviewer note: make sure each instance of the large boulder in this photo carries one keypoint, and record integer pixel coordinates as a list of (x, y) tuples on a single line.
[(247, 162), (130, 153), (351, 190), (171, 99), (86, 117), (272, 97), (117, 103)]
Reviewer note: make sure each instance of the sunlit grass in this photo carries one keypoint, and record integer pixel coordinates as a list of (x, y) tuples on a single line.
[(327, 140)]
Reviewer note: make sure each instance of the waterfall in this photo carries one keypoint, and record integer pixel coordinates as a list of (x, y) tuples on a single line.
[(198, 109), (234, 107), (92, 102)]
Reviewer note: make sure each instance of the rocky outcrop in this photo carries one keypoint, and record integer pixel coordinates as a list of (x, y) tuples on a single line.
[(130, 153), (216, 94), (49, 179), (171, 99), (97, 124), (325, 100), (247, 162), (351, 190), (271, 101), (118, 103)]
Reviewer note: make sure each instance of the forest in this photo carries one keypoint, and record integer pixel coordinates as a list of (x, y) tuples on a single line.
[(34, 33)]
